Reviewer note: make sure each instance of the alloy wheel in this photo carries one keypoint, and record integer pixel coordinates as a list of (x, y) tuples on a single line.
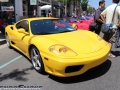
[(36, 59)]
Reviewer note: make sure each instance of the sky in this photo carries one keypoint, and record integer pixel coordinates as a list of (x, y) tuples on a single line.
[(95, 3)]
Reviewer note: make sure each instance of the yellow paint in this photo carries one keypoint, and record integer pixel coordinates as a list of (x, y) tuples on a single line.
[(79, 47)]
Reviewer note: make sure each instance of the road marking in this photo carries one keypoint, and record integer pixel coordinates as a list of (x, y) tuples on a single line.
[(6, 64)]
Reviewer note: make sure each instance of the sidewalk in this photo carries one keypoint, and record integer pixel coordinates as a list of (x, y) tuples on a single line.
[(2, 39)]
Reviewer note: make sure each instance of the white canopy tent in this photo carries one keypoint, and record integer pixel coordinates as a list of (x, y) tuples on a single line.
[(46, 7)]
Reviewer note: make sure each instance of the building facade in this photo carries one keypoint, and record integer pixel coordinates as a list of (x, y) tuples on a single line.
[(19, 9), (7, 9)]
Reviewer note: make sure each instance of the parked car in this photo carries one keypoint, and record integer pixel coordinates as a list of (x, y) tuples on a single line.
[(53, 46), (77, 24), (84, 20)]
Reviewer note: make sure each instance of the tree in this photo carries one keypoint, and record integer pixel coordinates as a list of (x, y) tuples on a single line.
[(65, 2), (90, 9), (84, 4), (79, 7)]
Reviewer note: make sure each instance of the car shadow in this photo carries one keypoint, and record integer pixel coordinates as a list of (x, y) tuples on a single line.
[(16, 75), (28, 60), (116, 53), (89, 75)]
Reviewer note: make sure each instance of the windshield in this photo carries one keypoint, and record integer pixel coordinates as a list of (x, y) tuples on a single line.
[(74, 20), (71, 20), (50, 27)]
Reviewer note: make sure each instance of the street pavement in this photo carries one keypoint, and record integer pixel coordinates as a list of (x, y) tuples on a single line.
[(2, 39), (15, 70)]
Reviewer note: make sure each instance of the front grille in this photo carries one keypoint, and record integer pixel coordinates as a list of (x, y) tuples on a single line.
[(70, 69)]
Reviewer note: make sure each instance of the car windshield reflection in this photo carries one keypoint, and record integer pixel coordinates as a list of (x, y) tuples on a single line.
[(44, 27)]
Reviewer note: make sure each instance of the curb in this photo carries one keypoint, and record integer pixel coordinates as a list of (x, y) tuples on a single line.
[(2, 42)]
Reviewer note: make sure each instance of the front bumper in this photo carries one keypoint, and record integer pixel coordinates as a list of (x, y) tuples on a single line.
[(57, 66)]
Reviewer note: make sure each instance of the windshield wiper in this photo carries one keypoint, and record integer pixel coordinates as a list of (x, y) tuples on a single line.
[(67, 31), (42, 33)]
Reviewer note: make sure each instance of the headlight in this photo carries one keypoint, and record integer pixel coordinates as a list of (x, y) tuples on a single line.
[(102, 40), (62, 50)]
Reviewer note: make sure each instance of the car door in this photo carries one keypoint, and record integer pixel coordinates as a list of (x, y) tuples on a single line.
[(22, 40)]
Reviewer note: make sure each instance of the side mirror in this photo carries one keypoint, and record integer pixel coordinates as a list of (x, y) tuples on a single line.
[(74, 26), (21, 30)]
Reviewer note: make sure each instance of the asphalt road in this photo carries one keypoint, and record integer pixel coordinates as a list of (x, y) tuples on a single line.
[(15, 69)]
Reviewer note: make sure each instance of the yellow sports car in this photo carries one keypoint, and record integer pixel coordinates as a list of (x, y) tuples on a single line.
[(55, 47)]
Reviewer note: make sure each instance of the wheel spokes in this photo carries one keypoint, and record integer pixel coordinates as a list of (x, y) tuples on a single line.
[(36, 59), (7, 40), (34, 52), (38, 62)]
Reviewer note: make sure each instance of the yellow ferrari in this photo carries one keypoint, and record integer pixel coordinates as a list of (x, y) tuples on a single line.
[(55, 47)]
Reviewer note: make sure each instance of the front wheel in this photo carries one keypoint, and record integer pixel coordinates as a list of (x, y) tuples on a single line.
[(36, 60)]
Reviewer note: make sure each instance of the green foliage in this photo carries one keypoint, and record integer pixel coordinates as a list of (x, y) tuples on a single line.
[(90, 9), (84, 1), (84, 4), (63, 1), (67, 1)]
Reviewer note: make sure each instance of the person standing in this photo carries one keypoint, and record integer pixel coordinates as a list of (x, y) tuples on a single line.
[(50, 15), (117, 44), (9, 20), (108, 13), (98, 19)]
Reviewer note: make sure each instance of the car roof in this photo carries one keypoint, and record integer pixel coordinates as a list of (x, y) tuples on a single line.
[(39, 18)]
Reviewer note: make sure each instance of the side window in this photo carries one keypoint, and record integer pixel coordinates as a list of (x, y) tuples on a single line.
[(18, 25), (23, 24)]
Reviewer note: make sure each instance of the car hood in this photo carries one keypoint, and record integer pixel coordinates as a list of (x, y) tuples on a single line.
[(77, 41)]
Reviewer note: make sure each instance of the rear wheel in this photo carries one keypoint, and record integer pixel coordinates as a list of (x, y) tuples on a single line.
[(8, 41), (36, 60)]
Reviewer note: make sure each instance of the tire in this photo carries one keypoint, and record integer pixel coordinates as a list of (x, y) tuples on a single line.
[(36, 60), (8, 41)]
